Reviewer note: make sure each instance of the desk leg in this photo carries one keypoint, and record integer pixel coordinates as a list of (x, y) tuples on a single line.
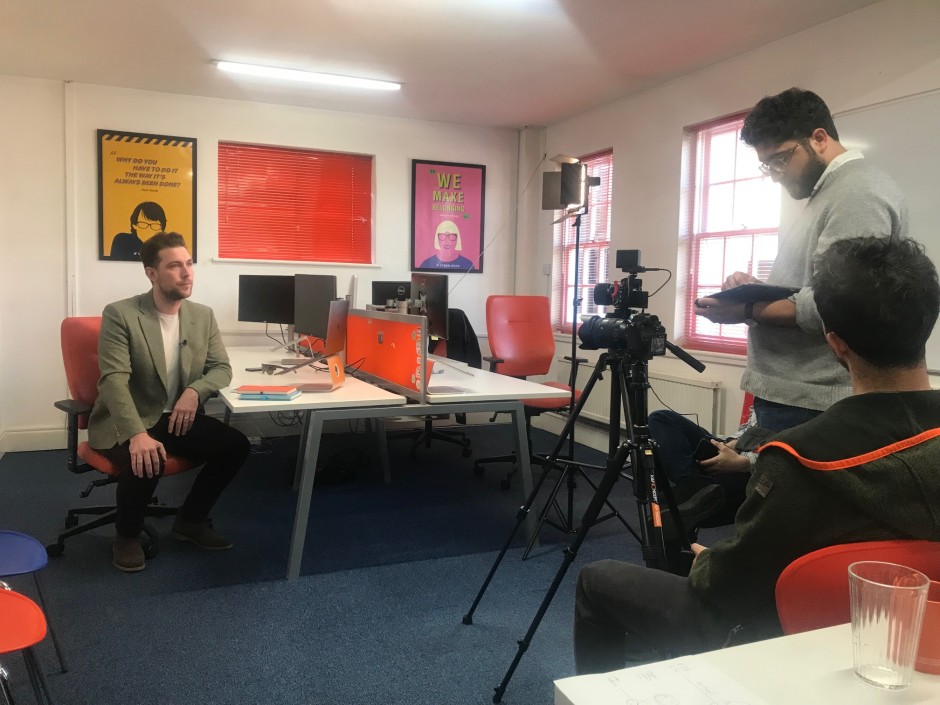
[(525, 469), (313, 424), (301, 448), (228, 417), (382, 440)]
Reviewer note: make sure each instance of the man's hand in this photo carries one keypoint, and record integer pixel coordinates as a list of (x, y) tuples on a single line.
[(184, 412), (739, 279), (147, 455), (727, 460), (718, 311), (697, 549)]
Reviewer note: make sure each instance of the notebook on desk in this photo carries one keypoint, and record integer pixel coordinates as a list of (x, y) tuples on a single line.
[(446, 389), (337, 377)]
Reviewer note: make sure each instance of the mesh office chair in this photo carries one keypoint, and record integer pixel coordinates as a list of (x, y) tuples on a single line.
[(813, 591), (463, 346), (79, 337), (522, 344)]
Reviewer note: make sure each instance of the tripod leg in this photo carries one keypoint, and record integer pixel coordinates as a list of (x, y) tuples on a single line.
[(611, 474), (524, 509)]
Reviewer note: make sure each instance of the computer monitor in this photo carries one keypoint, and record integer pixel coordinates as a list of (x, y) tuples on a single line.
[(385, 291), (312, 296), (266, 298), (430, 290)]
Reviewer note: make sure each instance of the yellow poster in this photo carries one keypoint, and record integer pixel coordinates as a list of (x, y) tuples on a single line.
[(146, 184)]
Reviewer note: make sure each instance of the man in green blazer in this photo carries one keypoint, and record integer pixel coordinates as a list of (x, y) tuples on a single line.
[(160, 358)]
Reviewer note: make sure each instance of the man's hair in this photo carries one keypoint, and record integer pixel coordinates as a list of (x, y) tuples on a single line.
[(150, 251), (881, 296), (791, 115), (151, 211)]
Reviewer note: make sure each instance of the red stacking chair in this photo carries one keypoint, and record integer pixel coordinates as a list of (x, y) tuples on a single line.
[(522, 344), (80, 355), (813, 591), (22, 626)]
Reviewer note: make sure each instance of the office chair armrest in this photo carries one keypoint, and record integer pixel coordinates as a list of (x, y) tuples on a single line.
[(72, 407), (493, 361)]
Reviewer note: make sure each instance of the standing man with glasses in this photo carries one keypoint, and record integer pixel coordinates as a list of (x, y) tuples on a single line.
[(790, 370)]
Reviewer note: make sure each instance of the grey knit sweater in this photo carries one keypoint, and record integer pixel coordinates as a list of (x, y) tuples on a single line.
[(794, 365)]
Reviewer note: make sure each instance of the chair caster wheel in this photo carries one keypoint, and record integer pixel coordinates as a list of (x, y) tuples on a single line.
[(150, 549), (71, 521), (466, 452), (54, 550), (478, 470)]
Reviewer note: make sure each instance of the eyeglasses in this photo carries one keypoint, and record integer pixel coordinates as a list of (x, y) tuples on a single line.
[(777, 164), (148, 226), (448, 236)]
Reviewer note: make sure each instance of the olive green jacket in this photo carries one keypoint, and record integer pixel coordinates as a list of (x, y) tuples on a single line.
[(132, 385)]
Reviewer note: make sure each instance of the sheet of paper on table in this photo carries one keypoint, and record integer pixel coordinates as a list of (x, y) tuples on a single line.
[(683, 681)]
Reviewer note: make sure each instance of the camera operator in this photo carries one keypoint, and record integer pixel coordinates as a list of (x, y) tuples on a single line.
[(789, 369), (865, 470)]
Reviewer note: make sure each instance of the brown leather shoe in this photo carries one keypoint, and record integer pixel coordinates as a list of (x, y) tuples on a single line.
[(200, 533), (127, 554)]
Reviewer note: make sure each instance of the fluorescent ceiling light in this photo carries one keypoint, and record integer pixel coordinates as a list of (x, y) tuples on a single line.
[(325, 79)]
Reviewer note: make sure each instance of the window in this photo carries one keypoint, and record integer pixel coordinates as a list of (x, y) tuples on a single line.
[(595, 245), (733, 214), (278, 203)]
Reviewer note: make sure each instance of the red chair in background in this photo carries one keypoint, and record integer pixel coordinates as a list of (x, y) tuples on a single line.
[(22, 626), (813, 591), (79, 337), (522, 344)]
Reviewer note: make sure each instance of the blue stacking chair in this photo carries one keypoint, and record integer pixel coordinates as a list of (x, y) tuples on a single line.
[(21, 554)]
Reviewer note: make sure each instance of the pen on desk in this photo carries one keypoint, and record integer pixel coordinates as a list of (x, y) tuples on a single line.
[(454, 367)]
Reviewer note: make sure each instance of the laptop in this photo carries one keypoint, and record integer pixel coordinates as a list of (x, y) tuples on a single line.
[(337, 377)]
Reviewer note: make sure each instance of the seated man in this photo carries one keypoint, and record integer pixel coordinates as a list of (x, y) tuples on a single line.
[(696, 462), (160, 358), (867, 469)]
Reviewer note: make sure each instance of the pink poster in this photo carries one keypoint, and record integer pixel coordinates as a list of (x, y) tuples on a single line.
[(447, 216)]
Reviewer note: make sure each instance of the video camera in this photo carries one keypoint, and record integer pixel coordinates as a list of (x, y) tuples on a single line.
[(639, 334)]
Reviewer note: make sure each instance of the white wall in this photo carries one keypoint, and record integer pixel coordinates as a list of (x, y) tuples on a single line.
[(882, 52), (49, 185)]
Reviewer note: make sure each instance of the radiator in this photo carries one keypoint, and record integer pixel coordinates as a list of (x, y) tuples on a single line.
[(694, 397)]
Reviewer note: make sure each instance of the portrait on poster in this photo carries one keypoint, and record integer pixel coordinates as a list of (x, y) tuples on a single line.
[(146, 184), (447, 216)]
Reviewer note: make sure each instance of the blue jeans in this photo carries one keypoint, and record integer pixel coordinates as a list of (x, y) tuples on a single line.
[(777, 417)]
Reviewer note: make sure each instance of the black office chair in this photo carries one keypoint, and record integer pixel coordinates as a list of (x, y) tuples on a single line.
[(462, 345)]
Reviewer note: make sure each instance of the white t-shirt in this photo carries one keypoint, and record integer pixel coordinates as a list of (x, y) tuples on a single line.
[(170, 328)]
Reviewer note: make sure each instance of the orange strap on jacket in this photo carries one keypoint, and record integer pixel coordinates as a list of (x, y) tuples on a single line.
[(858, 459)]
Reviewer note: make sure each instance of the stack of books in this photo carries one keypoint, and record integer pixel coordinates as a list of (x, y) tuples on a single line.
[(267, 392)]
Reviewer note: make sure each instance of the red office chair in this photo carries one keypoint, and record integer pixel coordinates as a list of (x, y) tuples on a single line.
[(80, 354), (522, 344), (813, 591), (23, 626)]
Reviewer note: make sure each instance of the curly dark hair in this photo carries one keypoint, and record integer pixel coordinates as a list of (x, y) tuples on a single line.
[(881, 296), (791, 115), (150, 251)]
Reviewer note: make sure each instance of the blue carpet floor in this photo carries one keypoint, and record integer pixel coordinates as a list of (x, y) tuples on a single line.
[(388, 572)]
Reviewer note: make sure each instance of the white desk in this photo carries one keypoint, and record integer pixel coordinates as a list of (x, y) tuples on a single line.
[(485, 391), (812, 668)]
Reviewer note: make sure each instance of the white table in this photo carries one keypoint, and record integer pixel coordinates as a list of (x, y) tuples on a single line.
[(812, 668), (483, 391)]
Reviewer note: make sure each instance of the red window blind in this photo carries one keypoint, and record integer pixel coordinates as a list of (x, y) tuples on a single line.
[(594, 250), (732, 214), (278, 203)]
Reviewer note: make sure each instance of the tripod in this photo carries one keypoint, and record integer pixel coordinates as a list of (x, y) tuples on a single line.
[(628, 389)]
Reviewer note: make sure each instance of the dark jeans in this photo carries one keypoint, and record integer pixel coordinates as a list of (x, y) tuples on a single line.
[(777, 417), (626, 612), (222, 448), (677, 437)]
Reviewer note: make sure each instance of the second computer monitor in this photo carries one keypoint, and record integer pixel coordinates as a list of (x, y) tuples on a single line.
[(312, 296), (383, 292), (266, 298), (430, 290)]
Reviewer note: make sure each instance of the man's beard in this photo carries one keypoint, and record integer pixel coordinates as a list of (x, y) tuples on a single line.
[(174, 294), (811, 173)]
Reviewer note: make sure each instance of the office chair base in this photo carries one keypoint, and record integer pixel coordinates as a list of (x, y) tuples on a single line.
[(105, 516)]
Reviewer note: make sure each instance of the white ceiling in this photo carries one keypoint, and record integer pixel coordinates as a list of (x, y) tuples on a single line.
[(506, 63)]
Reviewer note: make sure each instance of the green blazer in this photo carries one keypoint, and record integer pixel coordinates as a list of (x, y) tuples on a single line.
[(132, 385)]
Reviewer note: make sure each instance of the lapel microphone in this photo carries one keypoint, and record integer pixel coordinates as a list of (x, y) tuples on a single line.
[(182, 343)]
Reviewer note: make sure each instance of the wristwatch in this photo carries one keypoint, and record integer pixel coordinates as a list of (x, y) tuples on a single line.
[(749, 314)]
